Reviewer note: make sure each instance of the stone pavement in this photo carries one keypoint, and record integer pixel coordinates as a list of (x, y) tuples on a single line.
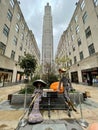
[(9, 118), (5, 91), (89, 108)]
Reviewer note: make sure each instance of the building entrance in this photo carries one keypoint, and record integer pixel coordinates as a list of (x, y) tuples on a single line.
[(90, 76), (74, 77)]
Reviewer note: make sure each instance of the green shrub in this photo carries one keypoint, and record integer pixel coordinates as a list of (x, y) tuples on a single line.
[(30, 88), (50, 78)]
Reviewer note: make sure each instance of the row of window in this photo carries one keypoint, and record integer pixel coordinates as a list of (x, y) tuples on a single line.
[(84, 18), (83, 4), (15, 40), (91, 50), (13, 56), (6, 32), (9, 16), (87, 33), (87, 30), (12, 3), (96, 2), (2, 50)]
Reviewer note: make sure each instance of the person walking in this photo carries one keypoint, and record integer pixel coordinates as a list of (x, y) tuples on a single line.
[(67, 87)]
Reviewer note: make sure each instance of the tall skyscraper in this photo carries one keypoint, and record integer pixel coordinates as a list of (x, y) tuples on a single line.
[(47, 40)]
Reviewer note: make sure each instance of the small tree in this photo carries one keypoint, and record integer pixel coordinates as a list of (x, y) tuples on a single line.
[(28, 63)]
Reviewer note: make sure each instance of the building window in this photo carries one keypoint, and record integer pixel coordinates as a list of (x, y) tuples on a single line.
[(82, 5), (12, 3), (15, 40), (76, 18), (6, 30), (71, 28), (21, 47), (67, 34), (12, 55), (73, 47), (70, 62), (75, 60), (96, 2), (77, 29), (88, 32), (9, 15), (81, 55), (2, 48), (69, 53), (19, 58), (17, 28), (26, 42), (23, 26), (91, 49), (26, 33), (84, 17), (69, 42), (18, 16), (22, 36), (79, 41), (72, 37)]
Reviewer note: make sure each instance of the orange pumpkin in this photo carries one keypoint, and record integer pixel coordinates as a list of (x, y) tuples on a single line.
[(55, 85), (93, 126)]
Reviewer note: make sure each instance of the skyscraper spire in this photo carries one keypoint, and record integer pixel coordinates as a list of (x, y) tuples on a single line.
[(47, 39)]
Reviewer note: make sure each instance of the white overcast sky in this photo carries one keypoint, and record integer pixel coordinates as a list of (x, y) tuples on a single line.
[(62, 11)]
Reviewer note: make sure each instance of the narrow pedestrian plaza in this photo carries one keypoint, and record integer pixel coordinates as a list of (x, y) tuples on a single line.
[(12, 114)]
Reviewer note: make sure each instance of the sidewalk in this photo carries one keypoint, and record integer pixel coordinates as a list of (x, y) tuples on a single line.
[(9, 119), (84, 88), (5, 91), (90, 111)]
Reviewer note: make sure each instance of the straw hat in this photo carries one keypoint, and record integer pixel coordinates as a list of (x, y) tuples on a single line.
[(62, 70), (39, 81)]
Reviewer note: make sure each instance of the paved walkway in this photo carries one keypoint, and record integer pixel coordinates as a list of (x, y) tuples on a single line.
[(89, 109), (5, 91), (9, 118)]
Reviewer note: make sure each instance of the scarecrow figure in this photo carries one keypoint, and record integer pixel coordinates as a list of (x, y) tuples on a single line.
[(67, 87), (35, 115)]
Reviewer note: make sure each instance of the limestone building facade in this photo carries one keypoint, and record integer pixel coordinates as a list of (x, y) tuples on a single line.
[(15, 40), (79, 43), (47, 40)]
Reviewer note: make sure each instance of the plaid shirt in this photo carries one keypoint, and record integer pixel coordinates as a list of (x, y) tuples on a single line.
[(66, 83)]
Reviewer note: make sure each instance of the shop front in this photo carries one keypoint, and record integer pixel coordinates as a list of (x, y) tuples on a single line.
[(90, 76), (20, 76), (74, 77), (5, 76)]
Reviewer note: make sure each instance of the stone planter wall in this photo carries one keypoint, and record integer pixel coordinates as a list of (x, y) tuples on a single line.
[(19, 98)]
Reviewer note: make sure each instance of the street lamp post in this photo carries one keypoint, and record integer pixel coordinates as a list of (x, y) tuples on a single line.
[(25, 97)]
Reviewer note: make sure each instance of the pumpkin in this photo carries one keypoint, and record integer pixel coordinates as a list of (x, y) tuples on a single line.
[(55, 85)]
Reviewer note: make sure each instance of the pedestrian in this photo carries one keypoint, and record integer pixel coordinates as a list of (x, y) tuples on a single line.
[(67, 87)]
